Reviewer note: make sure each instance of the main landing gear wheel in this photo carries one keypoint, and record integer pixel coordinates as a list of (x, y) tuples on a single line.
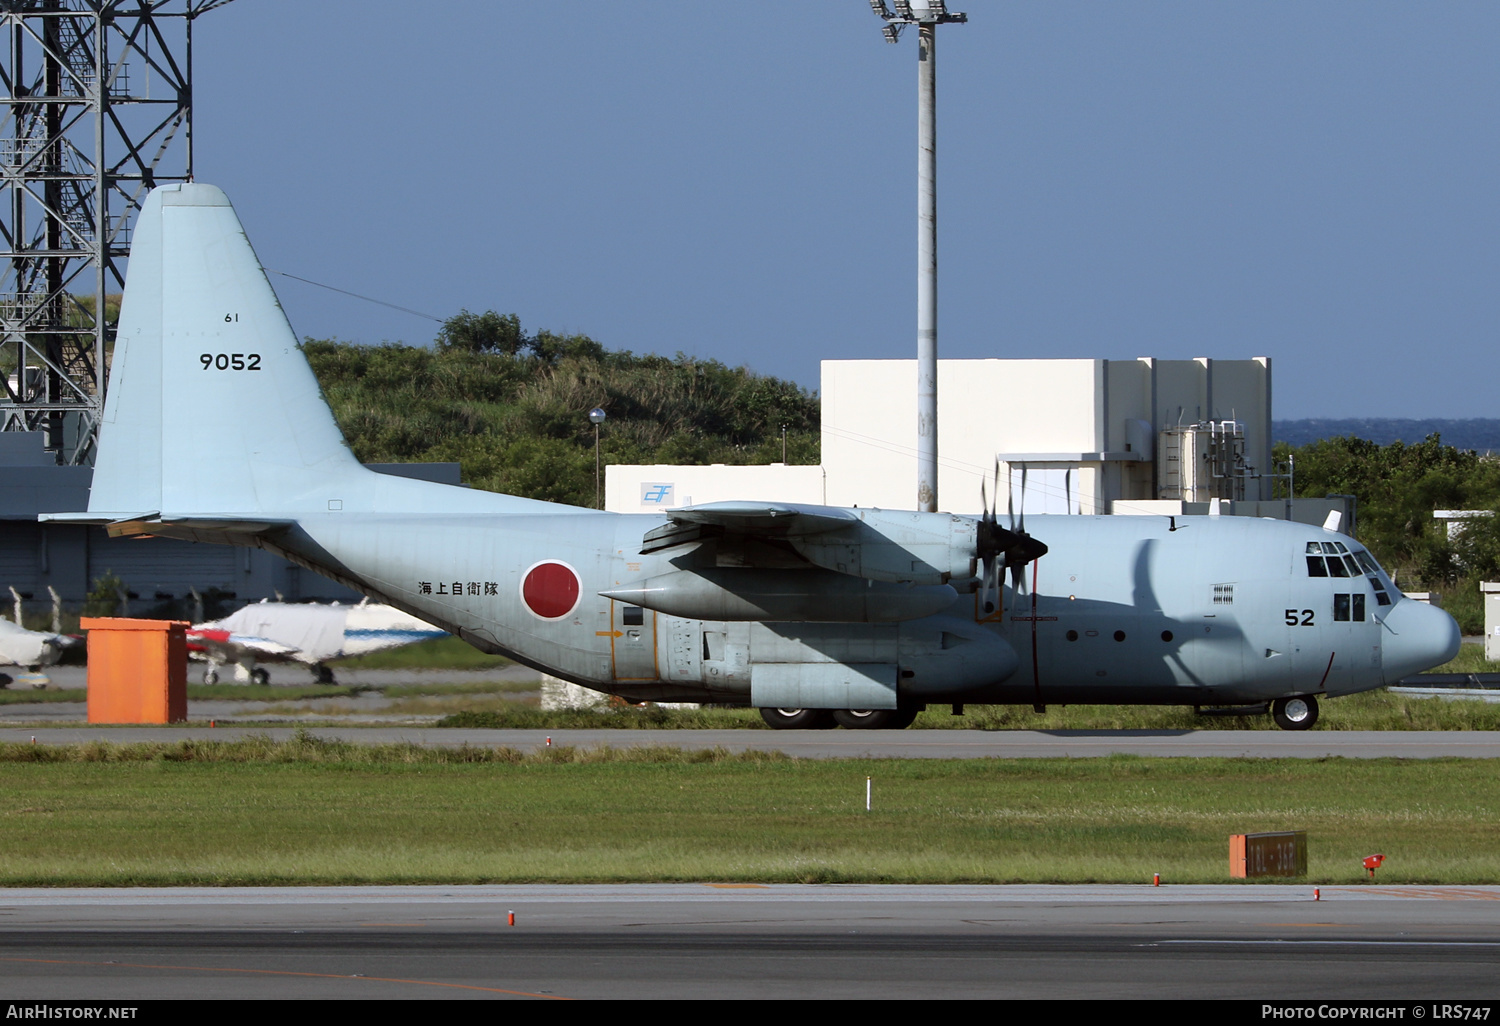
[(874, 719), (322, 674), (260, 675), (1295, 713), (798, 719)]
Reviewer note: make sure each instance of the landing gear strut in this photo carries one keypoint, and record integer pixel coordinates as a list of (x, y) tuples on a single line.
[(1295, 713)]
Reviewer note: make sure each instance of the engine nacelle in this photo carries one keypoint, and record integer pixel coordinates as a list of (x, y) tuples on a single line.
[(897, 546), (802, 596)]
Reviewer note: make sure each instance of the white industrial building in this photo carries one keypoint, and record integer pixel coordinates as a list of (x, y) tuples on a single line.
[(1143, 436)]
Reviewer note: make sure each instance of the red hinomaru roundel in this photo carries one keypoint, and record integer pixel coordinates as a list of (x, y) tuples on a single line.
[(550, 590)]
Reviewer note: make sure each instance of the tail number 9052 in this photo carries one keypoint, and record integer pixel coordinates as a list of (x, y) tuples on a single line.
[(230, 361)]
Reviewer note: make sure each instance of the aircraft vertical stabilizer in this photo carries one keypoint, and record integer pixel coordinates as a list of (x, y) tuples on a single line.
[(211, 407)]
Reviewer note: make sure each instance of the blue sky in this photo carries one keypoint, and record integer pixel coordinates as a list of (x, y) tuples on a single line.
[(1311, 182)]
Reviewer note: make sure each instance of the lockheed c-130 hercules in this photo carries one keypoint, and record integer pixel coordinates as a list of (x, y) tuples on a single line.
[(215, 430)]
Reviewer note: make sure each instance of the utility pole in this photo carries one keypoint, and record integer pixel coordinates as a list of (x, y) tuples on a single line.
[(927, 15)]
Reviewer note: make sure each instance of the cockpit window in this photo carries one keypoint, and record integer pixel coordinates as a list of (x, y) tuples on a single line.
[(1335, 559)]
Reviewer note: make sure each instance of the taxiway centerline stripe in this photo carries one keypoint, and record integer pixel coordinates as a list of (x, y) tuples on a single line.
[(286, 972)]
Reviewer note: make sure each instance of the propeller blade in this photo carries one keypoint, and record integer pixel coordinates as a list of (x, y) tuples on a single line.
[(999, 548)]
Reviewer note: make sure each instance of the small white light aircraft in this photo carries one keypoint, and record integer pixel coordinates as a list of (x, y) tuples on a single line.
[(215, 430), (308, 633), (31, 649)]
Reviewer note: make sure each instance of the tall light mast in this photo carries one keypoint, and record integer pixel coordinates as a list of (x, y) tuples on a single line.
[(927, 15)]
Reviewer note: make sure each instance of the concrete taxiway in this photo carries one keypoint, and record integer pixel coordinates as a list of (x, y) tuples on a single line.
[(1261, 942), (852, 744)]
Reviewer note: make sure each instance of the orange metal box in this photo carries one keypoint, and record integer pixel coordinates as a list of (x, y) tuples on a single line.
[(1278, 854), (137, 670)]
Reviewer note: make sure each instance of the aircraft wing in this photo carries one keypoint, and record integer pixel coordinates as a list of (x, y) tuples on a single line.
[(758, 519), (895, 546)]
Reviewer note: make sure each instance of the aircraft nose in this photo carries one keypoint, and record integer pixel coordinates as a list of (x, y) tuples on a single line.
[(1419, 637)]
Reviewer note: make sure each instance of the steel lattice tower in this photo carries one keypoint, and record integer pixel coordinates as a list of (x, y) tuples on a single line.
[(98, 111)]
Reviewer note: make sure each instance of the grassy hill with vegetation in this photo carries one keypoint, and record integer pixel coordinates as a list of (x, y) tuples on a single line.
[(512, 407)]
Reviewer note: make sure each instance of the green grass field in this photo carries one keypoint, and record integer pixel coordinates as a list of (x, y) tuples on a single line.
[(438, 654), (309, 811)]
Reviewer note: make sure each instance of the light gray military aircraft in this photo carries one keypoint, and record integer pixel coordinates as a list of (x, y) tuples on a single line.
[(215, 430)]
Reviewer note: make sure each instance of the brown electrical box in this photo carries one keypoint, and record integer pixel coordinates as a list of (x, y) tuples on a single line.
[(1279, 854), (137, 670)]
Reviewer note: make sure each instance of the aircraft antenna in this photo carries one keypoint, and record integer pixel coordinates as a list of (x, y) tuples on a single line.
[(927, 15), (98, 111)]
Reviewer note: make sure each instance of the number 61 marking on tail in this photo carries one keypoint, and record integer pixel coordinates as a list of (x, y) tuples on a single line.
[(230, 361)]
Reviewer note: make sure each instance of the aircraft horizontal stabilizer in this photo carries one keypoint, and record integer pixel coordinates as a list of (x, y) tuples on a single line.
[(230, 530)]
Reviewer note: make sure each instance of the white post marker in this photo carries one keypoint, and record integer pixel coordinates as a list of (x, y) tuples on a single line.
[(867, 794)]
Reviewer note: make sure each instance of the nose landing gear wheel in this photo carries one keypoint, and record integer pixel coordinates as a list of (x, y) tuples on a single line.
[(798, 719), (874, 719), (1295, 713)]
